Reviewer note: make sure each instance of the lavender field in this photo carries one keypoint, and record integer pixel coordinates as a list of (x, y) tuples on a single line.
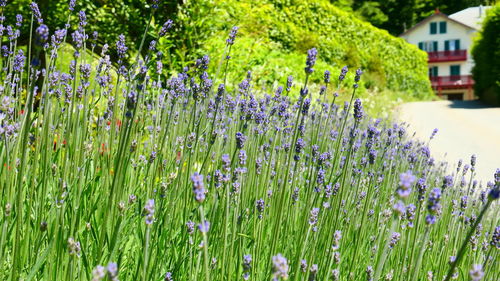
[(116, 171)]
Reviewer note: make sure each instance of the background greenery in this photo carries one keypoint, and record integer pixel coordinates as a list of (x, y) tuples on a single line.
[(273, 34), (398, 15), (486, 53)]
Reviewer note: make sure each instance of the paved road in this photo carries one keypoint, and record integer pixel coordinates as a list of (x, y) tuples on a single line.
[(465, 128)]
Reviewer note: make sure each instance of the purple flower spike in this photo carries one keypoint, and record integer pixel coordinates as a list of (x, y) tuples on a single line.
[(311, 60)]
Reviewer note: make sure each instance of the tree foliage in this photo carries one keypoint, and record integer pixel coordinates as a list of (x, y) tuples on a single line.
[(274, 33), (397, 15), (109, 18), (486, 53)]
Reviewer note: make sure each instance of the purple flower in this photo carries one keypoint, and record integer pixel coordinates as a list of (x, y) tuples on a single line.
[(295, 195), (313, 219), (36, 12), (149, 211), (242, 157), (430, 219), (155, 4), (98, 273), (166, 27), (433, 205), (410, 214), (85, 70), (320, 177), (495, 238), (371, 156), (5, 51), (168, 276), (343, 73), (304, 91), (19, 20), (247, 266), (494, 193), (43, 33), (434, 132), (303, 265), (305, 106), (337, 235), (311, 60), (463, 202), (121, 48), (203, 62), (78, 38), (326, 77), (357, 77), (447, 181), (240, 140), (358, 110), (473, 160), (190, 227), (83, 18), (58, 37), (260, 205), (112, 271), (394, 239), (74, 247), (322, 90), (477, 272), (226, 162), (289, 83), (72, 4), (198, 187), (19, 60), (232, 35), (131, 100), (399, 208), (204, 227), (406, 181), (314, 271), (280, 267)]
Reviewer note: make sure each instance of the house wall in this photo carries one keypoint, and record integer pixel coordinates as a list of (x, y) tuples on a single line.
[(444, 67)]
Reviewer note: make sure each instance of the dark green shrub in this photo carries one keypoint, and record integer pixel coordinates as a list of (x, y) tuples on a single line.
[(486, 53)]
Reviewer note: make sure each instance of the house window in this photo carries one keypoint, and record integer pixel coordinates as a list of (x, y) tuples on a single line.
[(442, 27), (433, 27), (428, 46), (433, 71), (454, 70), (452, 45)]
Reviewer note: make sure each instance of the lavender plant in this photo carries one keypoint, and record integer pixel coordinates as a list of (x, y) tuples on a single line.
[(194, 177)]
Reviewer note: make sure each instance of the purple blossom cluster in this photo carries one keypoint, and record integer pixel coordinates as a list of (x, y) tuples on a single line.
[(225, 173)]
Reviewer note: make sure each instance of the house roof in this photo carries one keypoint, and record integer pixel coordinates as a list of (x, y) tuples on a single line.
[(472, 16), (457, 19)]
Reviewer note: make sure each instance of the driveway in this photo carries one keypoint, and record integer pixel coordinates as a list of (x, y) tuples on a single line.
[(465, 128)]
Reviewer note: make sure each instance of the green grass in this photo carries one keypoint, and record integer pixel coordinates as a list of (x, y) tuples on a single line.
[(97, 176)]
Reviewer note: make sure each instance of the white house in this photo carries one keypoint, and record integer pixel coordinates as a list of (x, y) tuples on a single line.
[(448, 41)]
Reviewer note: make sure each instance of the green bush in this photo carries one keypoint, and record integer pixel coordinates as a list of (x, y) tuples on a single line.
[(278, 32), (486, 53), (274, 33)]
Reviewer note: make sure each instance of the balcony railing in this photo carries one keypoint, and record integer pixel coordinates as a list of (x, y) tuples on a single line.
[(441, 56), (452, 82)]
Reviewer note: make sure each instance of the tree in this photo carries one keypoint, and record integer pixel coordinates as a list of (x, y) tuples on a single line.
[(109, 18), (486, 54)]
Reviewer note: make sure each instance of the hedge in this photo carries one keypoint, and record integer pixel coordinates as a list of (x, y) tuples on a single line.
[(274, 33)]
